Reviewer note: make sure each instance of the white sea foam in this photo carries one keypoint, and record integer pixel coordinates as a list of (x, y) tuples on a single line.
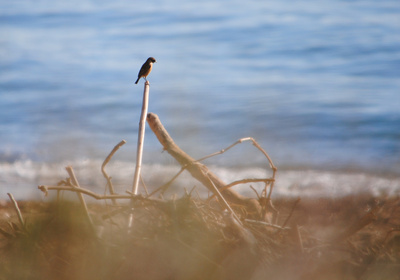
[(22, 178)]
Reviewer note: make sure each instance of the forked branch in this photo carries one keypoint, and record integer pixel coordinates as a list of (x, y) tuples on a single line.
[(198, 170)]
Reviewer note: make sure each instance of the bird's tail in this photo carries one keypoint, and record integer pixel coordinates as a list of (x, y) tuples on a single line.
[(137, 80)]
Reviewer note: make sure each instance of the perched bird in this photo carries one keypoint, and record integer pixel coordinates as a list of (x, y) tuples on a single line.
[(146, 69)]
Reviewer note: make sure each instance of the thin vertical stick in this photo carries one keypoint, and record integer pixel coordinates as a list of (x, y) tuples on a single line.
[(144, 186), (108, 178), (21, 220), (142, 125), (291, 212), (75, 184), (298, 238)]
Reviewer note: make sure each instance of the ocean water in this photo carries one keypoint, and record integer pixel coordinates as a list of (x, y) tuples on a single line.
[(316, 83)]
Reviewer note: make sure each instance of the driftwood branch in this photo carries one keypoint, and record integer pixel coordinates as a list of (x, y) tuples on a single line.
[(21, 219), (198, 170), (45, 190)]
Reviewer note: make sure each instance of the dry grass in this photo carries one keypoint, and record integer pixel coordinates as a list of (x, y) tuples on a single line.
[(354, 237)]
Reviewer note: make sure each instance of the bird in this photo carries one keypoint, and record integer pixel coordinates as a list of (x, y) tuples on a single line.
[(146, 69)]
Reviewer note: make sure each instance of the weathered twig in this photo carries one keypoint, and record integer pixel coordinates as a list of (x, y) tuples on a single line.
[(254, 142), (224, 202), (108, 178), (266, 224), (75, 185), (144, 185), (81, 190), (245, 181), (297, 238), (45, 189), (255, 191), (164, 187), (291, 212), (21, 219), (142, 125), (196, 169), (271, 164)]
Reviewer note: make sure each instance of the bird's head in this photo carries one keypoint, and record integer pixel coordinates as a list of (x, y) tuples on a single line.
[(151, 59)]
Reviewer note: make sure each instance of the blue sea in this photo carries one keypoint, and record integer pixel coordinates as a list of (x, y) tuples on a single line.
[(316, 83)]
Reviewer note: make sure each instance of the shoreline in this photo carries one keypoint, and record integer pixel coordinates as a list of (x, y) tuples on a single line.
[(22, 178)]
